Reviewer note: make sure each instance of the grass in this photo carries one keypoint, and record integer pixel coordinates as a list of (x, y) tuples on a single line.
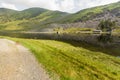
[(78, 30), (89, 13), (66, 61), (14, 25), (117, 30)]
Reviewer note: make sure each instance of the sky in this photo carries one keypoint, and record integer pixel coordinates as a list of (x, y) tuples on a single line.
[(70, 6)]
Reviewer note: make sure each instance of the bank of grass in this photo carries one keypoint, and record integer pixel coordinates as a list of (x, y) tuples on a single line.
[(67, 62), (117, 30), (78, 30)]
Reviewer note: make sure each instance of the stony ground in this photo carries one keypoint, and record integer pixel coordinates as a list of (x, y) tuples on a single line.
[(17, 63)]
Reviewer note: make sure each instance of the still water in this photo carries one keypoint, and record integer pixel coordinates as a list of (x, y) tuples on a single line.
[(110, 41), (106, 39)]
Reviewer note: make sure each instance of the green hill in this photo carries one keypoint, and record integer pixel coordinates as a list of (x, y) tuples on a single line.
[(6, 15), (38, 19), (94, 12), (13, 15), (29, 19), (29, 13)]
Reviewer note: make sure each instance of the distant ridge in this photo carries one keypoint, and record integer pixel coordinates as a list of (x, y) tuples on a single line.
[(39, 19), (91, 13)]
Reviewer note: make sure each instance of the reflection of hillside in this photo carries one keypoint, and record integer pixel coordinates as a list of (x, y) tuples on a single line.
[(105, 38), (95, 39)]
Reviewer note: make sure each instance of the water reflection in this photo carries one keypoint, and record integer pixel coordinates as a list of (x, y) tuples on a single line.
[(95, 39), (105, 41), (105, 38)]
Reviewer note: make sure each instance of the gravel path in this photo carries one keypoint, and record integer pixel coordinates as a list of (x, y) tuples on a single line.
[(17, 63)]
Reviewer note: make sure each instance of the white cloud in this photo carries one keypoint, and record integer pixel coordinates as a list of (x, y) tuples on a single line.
[(66, 5), (82, 4), (62, 5), (10, 6)]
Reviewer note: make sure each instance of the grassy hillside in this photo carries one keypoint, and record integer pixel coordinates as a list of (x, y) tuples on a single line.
[(94, 12), (29, 19), (72, 60), (43, 20), (38, 19), (6, 15)]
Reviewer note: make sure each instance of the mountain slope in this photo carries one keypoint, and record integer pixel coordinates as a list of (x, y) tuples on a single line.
[(91, 13), (6, 15), (30, 13), (28, 19), (38, 19)]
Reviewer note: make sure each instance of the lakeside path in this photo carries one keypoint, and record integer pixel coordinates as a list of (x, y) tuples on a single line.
[(18, 63)]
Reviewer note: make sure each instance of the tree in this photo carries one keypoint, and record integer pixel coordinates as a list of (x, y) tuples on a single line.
[(107, 25)]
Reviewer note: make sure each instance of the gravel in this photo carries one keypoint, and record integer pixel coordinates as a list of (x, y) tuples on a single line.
[(18, 63)]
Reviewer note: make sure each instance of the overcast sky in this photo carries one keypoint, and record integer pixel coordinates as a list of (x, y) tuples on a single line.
[(62, 5)]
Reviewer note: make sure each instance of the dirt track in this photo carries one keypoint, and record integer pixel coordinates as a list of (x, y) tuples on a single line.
[(17, 63)]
